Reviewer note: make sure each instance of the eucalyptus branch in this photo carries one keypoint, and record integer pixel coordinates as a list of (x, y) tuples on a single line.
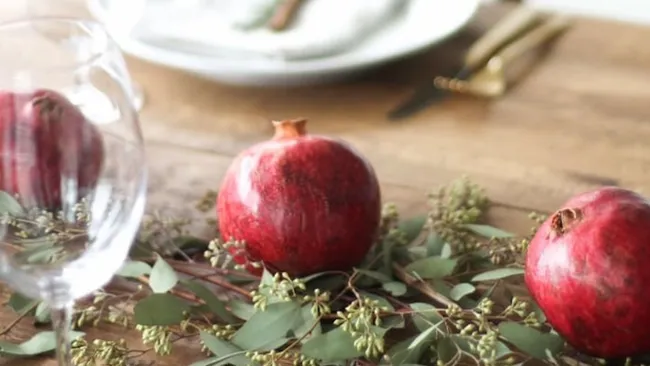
[(334, 317)]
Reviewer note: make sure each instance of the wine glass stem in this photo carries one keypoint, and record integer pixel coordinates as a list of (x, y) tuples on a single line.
[(138, 97), (62, 324)]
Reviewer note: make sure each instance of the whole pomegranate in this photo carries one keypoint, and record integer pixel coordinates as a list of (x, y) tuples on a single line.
[(588, 268), (301, 203), (44, 137)]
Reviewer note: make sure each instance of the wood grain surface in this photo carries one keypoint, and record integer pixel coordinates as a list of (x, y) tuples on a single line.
[(579, 120)]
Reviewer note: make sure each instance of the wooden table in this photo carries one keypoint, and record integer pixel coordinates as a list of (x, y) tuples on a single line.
[(578, 121)]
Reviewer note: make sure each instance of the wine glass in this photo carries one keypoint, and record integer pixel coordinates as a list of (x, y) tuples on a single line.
[(72, 173), (118, 17)]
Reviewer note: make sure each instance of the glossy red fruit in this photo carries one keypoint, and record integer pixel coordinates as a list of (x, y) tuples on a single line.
[(302, 203), (588, 268), (43, 137)]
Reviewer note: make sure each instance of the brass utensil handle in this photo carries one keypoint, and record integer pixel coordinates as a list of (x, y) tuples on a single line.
[(512, 25), (536, 37)]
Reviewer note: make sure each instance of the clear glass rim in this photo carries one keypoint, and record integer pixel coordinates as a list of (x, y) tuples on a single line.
[(92, 29)]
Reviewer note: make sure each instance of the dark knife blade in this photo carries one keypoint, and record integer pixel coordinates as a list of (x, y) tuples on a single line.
[(424, 97)]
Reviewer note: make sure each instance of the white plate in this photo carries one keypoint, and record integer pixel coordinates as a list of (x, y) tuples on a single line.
[(422, 25)]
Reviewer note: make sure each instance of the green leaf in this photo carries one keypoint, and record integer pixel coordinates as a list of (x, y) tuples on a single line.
[(41, 241), (40, 343), (267, 278), (461, 290), (314, 276), (412, 227), (488, 294), (434, 244), (531, 341), (211, 300), (274, 344), (381, 277), (432, 267), (424, 338), (42, 313), (503, 350), (232, 354), (446, 251), (441, 287), (9, 205), (222, 349), (268, 326), (335, 345), (19, 302), (241, 309), (163, 277), (331, 282), (416, 253), (394, 288), (393, 322), (134, 269), (426, 315), (160, 309), (401, 355), (239, 279), (540, 314), (497, 274), (39, 254), (387, 254), (463, 343), (308, 324), (488, 231), (446, 349)]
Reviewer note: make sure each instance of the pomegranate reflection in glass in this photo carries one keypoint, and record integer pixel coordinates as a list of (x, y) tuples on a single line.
[(72, 173)]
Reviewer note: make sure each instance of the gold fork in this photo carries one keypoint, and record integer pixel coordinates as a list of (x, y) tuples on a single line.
[(491, 81)]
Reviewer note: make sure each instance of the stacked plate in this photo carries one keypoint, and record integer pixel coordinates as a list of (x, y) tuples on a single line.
[(331, 39)]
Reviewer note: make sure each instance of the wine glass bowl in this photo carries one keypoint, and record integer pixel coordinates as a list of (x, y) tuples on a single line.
[(121, 17), (72, 168)]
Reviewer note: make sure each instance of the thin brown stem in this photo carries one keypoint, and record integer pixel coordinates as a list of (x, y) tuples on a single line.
[(219, 282), (217, 271), (182, 294), (422, 287), (298, 340), (20, 317), (132, 354)]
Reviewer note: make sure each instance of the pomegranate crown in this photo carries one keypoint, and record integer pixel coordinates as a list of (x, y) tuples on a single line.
[(564, 220), (290, 128)]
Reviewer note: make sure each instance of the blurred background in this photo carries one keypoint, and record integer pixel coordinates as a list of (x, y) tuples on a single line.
[(290, 42)]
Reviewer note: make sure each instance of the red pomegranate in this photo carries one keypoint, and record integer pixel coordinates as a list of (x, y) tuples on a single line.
[(43, 137), (302, 203), (587, 268)]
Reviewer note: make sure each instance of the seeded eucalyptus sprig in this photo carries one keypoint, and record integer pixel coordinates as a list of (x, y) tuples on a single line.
[(442, 288)]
